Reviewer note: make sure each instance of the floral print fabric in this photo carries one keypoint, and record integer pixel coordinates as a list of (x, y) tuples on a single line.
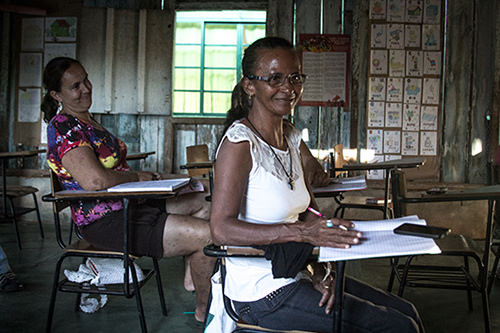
[(65, 133)]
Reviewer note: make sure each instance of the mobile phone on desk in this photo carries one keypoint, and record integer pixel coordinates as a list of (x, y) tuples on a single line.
[(419, 230)]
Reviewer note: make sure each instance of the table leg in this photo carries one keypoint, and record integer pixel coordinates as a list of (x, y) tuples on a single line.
[(339, 296), (386, 191), (4, 187), (486, 259)]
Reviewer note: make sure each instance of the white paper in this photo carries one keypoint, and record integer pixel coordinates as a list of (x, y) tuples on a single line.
[(429, 118), (32, 34), (409, 143), (60, 29), (348, 184), (376, 89), (412, 35), (374, 140), (376, 114), (397, 63), (430, 94), (432, 63), (411, 117), (53, 50), (394, 89), (378, 36), (153, 185), (428, 143), (392, 157), (29, 105), (431, 37), (392, 142), (413, 90), (377, 9), (378, 62), (379, 240), (326, 79), (432, 11), (395, 36), (30, 69), (414, 63), (43, 133), (376, 174), (393, 114), (396, 10), (414, 11)]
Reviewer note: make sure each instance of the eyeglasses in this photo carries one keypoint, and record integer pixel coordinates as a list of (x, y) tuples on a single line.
[(277, 79)]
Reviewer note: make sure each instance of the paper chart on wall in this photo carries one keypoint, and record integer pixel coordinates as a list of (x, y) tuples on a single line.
[(376, 89), (378, 36), (413, 91), (53, 50), (392, 142), (374, 140), (432, 63), (30, 69), (412, 35), (396, 10), (43, 133), (396, 63), (376, 174), (431, 39), (393, 114), (376, 114), (377, 9), (395, 36), (428, 143), (409, 143), (394, 89), (432, 11), (429, 118), (28, 105), (430, 93), (60, 29), (378, 62), (414, 11), (32, 34), (411, 117), (414, 63)]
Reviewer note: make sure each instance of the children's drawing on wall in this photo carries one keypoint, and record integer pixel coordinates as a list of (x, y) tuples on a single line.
[(411, 117), (378, 36), (378, 62), (392, 142), (394, 89), (430, 93), (374, 140), (392, 157), (60, 29), (409, 142), (414, 11), (396, 10), (432, 11), (376, 89), (428, 117), (393, 114), (428, 143), (432, 63), (395, 36), (414, 63), (377, 9), (412, 35), (376, 174), (396, 63), (376, 114), (430, 37), (413, 90)]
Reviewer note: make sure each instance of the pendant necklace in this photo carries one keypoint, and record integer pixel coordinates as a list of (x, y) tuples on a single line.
[(290, 174)]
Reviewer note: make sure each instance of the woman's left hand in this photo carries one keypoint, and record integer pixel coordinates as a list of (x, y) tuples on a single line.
[(326, 286)]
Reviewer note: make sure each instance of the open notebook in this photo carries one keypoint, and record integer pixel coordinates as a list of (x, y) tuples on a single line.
[(379, 240), (152, 185)]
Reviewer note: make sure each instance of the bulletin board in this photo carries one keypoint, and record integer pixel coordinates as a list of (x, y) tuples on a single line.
[(325, 60), (404, 84), (42, 38)]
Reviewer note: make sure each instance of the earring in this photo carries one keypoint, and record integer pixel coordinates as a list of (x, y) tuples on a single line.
[(59, 107), (250, 99)]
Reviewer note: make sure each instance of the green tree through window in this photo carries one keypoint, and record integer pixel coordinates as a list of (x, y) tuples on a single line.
[(207, 57)]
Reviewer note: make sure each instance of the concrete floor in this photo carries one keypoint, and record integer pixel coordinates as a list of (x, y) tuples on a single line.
[(26, 311)]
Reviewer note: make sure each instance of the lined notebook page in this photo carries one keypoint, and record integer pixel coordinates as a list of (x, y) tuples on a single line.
[(379, 240)]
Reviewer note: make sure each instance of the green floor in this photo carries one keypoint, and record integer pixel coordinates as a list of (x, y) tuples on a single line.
[(26, 311)]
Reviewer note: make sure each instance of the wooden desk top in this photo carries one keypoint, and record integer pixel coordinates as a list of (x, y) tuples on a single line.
[(487, 192), (411, 162), (79, 195), (22, 153), (197, 165), (138, 156)]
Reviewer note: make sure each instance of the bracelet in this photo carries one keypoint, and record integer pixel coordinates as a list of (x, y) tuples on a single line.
[(328, 271)]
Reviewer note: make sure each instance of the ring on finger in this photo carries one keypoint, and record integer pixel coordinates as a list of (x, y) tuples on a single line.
[(329, 224)]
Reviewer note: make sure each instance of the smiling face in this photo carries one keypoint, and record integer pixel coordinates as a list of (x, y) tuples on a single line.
[(278, 100), (76, 91)]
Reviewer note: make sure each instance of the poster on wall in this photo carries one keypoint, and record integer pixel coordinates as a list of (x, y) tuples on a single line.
[(374, 140), (60, 29), (409, 143), (428, 143), (378, 36), (392, 142), (53, 50), (432, 63), (393, 114), (28, 102), (376, 114), (394, 89), (396, 10), (378, 62), (432, 11), (32, 34), (396, 63), (377, 9), (376, 89), (325, 61), (30, 69)]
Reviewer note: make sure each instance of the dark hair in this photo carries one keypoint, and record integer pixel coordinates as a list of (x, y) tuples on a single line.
[(52, 75), (240, 102)]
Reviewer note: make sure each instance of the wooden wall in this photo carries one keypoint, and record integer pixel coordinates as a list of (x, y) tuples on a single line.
[(472, 91)]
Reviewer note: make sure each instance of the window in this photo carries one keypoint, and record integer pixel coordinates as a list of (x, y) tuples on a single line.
[(207, 58)]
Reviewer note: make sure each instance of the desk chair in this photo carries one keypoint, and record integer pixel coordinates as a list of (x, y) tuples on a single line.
[(437, 275), (221, 252), (338, 162), (82, 249), (197, 160)]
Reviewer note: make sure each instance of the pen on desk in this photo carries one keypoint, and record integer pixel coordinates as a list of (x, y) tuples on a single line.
[(329, 223)]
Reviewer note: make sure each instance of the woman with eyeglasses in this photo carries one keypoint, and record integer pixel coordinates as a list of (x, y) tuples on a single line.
[(260, 197)]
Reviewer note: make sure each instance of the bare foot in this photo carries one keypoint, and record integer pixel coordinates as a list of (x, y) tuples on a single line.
[(188, 279)]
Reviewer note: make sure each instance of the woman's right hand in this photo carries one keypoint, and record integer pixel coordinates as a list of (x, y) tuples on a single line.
[(147, 175), (331, 232)]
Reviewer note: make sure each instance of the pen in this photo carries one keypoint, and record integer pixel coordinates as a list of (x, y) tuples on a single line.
[(329, 223)]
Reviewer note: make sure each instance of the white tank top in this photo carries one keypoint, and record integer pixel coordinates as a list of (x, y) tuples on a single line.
[(268, 199)]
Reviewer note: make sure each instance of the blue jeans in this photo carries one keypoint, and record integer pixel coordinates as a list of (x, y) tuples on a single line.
[(366, 309), (4, 263)]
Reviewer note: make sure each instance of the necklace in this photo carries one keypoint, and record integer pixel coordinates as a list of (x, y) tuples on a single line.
[(288, 174)]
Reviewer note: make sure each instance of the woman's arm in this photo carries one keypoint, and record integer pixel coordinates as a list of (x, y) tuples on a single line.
[(85, 168), (231, 176), (313, 171)]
